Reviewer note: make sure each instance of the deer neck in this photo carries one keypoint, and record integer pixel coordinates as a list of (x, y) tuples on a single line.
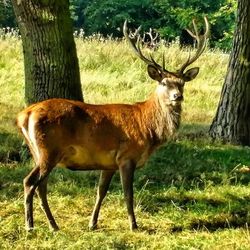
[(163, 119)]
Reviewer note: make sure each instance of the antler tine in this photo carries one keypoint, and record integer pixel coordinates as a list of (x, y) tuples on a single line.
[(136, 47), (195, 28), (136, 34), (156, 64), (196, 35), (206, 34), (152, 38), (201, 44), (156, 35)]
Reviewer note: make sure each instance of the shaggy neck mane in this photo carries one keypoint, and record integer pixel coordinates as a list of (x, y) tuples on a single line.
[(162, 119)]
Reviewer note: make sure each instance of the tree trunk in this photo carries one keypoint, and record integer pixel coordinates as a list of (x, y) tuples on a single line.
[(50, 59), (232, 120)]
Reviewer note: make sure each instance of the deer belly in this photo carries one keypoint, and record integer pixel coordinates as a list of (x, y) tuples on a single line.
[(81, 158)]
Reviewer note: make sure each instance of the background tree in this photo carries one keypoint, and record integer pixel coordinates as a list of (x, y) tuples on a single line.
[(232, 120), (50, 60), (6, 14)]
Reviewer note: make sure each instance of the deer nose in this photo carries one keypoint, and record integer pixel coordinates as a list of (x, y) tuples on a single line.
[(178, 97)]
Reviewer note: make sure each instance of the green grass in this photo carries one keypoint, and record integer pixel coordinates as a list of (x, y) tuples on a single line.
[(190, 194)]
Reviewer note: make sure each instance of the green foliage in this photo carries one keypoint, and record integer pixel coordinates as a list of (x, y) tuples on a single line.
[(108, 16), (224, 23), (6, 14), (77, 11), (168, 17)]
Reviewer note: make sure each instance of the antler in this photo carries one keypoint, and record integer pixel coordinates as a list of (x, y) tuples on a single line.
[(152, 43), (150, 33), (134, 42), (201, 44)]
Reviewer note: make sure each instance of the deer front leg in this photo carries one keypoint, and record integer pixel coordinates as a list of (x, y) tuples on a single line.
[(127, 175), (104, 181)]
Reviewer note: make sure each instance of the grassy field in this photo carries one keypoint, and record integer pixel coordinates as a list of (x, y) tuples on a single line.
[(190, 194)]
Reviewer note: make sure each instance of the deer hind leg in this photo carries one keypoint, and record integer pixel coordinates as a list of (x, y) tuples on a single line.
[(31, 182), (127, 175), (104, 181), (42, 193)]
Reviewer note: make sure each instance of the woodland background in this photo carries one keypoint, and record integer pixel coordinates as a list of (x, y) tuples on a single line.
[(167, 17)]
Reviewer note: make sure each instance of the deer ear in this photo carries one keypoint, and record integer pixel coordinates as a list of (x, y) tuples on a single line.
[(190, 74), (154, 73)]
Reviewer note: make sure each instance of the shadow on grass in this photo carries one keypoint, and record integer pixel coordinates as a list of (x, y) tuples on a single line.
[(230, 220), (234, 219), (199, 211), (195, 163), (9, 147)]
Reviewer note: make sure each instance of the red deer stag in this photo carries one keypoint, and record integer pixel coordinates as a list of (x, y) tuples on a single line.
[(110, 137)]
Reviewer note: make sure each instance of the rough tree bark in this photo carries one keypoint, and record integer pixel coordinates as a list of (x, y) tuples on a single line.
[(232, 120), (50, 59)]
